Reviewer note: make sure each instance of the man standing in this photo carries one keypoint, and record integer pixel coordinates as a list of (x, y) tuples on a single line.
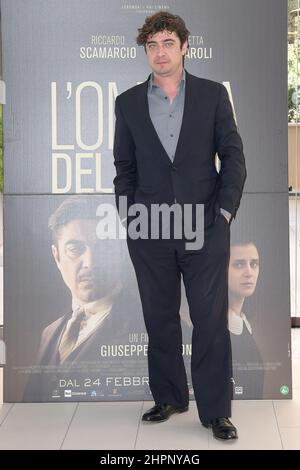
[(168, 130)]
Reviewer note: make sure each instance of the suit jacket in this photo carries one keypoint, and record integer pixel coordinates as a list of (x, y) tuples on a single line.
[(50, 340), (83, 361), (145, 173), (115, 328)]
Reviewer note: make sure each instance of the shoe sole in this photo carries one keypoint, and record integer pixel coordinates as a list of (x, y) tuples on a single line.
[(230, 439)]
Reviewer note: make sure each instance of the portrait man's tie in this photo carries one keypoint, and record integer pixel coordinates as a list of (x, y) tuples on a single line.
[(70, 336)]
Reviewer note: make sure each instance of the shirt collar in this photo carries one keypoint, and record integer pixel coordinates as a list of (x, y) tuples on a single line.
[(151, 84), (236, 323)]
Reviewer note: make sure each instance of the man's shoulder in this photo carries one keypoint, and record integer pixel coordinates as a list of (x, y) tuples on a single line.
[(131, 93), (52, 327)]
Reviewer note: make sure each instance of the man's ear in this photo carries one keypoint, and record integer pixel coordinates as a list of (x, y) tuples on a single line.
[(184, 47), (55, 254)]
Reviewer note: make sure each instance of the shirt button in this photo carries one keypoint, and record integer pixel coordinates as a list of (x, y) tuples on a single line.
[(170, 115), (171, 135), (166, 97)]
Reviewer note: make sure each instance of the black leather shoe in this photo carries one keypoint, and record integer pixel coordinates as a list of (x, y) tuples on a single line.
[(222, 428), (162, 412)]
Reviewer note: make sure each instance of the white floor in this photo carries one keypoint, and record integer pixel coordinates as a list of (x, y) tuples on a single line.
[(261, 424)]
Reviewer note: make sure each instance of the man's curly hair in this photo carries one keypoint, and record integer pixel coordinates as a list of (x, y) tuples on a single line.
[(161, 21)]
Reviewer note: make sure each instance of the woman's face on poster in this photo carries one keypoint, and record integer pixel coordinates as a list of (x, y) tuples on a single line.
[(243, 269)]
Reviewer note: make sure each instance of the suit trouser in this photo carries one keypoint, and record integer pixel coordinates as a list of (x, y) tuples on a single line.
[(159, 265)]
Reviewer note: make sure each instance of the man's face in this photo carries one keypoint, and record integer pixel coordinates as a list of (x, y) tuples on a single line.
[(243, 270), (87, 265), (165, 53)]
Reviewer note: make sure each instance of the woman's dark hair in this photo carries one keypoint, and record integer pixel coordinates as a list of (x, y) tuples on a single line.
[(161, 21)]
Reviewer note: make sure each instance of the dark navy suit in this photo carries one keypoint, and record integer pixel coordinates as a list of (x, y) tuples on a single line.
[(145, 174)]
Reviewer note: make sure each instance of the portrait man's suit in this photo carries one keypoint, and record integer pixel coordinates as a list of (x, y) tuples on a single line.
[(115, 329), (146, 174)]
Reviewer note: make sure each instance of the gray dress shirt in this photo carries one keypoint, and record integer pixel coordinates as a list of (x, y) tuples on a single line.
[(166, 117)]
